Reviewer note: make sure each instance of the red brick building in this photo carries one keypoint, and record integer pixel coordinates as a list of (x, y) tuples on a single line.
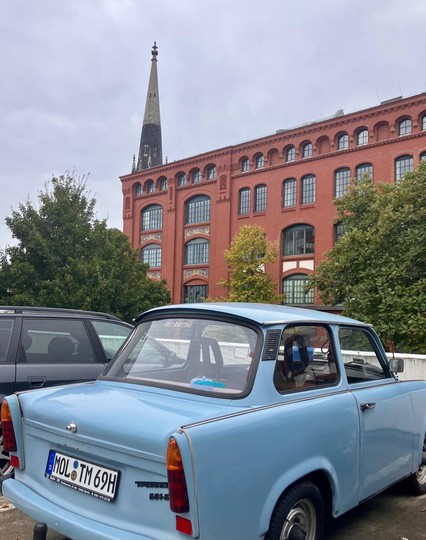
[(183, 215)]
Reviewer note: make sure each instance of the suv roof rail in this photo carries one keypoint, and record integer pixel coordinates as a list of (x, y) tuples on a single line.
[(30, 309)]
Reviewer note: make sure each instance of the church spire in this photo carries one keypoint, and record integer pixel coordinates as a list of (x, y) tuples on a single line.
[(150, 149)]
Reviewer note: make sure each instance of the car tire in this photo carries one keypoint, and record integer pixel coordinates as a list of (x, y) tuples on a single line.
[(299, 514), (417, 481)]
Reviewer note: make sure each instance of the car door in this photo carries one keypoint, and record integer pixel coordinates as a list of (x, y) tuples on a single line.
[(54, 351), (385, 412)]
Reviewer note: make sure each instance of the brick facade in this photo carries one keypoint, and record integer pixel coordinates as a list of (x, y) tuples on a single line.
[(186, 249)]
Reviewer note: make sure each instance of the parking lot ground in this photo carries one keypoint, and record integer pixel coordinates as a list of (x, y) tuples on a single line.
[(393, 515)]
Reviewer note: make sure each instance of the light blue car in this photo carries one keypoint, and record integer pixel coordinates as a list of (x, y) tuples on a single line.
[(219, 422)]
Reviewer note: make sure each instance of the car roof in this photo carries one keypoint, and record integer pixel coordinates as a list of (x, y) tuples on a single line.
[(265, 314), (57, 312)]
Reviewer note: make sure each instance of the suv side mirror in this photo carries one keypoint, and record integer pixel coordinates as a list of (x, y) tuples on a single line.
[(396, 365)]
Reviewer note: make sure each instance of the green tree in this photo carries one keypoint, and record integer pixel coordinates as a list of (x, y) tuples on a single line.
[(65, 257), (247, 257), (377, 269)]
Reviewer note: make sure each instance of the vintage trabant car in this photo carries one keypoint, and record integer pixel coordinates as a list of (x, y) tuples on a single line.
[(219, 422)]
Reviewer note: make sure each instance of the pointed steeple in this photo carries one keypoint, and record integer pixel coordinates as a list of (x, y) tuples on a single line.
[(150, 149)]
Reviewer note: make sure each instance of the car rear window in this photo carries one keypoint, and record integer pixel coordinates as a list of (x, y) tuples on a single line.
[(190, 354)]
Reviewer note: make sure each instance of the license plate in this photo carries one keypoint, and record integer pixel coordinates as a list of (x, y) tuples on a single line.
[(82, 476)]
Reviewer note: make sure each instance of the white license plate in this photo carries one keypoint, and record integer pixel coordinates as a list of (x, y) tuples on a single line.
[(82, 476)]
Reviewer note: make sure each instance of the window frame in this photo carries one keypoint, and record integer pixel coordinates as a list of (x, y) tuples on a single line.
[(362, 137), (197, 252), (308, 186), (297, 290), (343, 141), (245, 164), (191, 291), (260, 161), (293, 240), (244, 197), (260, 198), (153, 260), (290, 154), (289, 192), (405, 127), (342, 180), (307, 150), (361, 170), (196, 208), (401, 168), (152, 216)]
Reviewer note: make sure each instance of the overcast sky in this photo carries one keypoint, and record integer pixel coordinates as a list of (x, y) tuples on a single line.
[(74, 77)]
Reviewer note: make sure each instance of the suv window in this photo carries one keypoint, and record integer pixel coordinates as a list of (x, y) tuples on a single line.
[(361, 360), (306, 358), (55, 341), (111, 335), (6, 326)]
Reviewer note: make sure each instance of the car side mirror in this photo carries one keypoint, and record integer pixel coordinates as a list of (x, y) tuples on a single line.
[(396, 365)]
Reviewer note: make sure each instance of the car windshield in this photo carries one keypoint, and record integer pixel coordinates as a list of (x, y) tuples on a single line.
[(190, 354)]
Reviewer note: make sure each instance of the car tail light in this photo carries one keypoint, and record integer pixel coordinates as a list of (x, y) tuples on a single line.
[(178, 493), (9, 441)]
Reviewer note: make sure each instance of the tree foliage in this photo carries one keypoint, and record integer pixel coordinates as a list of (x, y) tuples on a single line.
[(65, 257), (377, 269), (247, 258)]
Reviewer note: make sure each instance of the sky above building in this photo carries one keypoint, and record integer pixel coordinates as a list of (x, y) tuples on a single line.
[(75, 75)]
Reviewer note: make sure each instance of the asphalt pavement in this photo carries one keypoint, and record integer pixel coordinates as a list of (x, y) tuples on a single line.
[(393, 515)]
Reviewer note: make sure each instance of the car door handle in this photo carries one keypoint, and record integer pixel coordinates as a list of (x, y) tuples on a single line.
[(36, 382), (367, 406)]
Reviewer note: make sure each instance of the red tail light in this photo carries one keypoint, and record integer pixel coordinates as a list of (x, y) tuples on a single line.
[(178, 494), (9, 441)]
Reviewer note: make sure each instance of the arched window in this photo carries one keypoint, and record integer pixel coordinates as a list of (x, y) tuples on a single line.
[(198, 209), (342, 179), (363, 169), (362, 137), (244, 201), (245, 164), (290, 153), (423, 156), (294, 290), (151, 255), (163, 184), (196, 176), (152, 217), (260, 161), (150, 186), (181, 179), (211, 172), (343, 142), (137, 189), (307, 150), (403, 165), (404, 127), (424, 123), (298, 240), (195, 293), (289, 193), (260, 195), (197, 251), (308, 189)]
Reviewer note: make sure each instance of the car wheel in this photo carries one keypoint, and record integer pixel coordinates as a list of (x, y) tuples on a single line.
[(417, 481), (5, 467), (299, 514)]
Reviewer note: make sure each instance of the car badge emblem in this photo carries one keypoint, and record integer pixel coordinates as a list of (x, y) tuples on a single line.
[(72, 427)]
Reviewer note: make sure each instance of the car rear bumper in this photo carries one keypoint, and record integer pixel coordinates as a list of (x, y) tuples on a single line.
[(61, 520)]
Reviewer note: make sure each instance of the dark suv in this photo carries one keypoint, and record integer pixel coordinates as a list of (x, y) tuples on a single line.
[(48, 346)]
